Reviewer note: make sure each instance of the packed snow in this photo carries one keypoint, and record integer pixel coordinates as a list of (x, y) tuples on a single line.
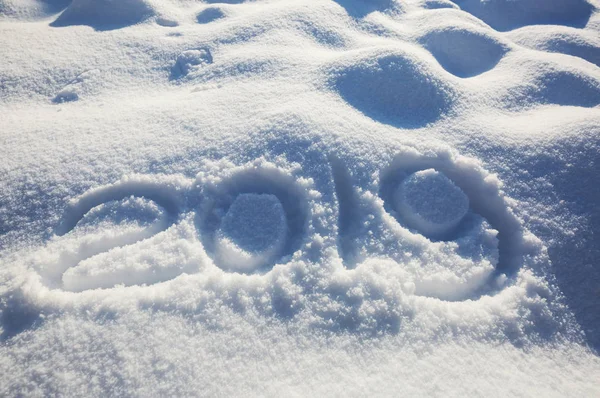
[(431, 203), (252, 232), (300, 197)]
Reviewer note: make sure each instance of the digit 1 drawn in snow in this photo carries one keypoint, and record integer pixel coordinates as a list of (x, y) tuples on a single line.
[(353, 226)]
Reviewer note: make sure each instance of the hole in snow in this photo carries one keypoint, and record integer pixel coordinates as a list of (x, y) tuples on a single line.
[(252, 233), (209, 14), (430, 203)]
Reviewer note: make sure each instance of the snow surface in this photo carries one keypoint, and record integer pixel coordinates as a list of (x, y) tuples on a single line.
[(252, 232), (431, 203), (299, 197)]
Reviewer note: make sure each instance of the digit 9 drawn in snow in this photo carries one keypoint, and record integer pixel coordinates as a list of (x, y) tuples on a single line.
[(444, 221), (475, 238), (437, 225)]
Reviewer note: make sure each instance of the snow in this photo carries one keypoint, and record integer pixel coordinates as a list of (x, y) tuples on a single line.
[(430, 202), (299, 197), (104, 14), (252, 233), (378, 85), (209, 14), (506, 14), (464, 52), (191, 61)]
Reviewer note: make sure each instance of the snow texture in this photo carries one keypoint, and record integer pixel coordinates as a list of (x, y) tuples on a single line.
[(252, 232), (428, 201), (104, 14), (299, 198)]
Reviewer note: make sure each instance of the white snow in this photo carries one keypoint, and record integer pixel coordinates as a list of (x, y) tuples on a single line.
[(428, 201), (104, 14), (252, 232), (299, 197), (210, 14)]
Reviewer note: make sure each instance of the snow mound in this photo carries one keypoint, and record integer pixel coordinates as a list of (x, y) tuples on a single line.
[(31, 9), (429, 202), (464, 52), (105, 14), (360, 8), (564, 40), (506, 15), (394, 87), (167, 22), (437, 4), (555, 85), (252, 233), (209, 14)]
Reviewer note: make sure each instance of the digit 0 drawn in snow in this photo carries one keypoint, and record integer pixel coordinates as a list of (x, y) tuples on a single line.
[(253, 216)]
